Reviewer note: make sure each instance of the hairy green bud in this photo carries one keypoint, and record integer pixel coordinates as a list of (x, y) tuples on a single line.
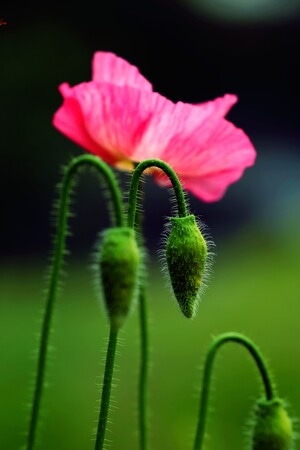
[(119, 266), (186, 255), (272, 426)]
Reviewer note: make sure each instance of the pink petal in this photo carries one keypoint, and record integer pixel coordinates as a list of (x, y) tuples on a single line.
[(174, 125), (217, 165), (118, 117), (208, 188), (213, 187), (207, 152), (107, 67), (220, 164), (69, 120), (113, 117), (220, 105), (224, 147)]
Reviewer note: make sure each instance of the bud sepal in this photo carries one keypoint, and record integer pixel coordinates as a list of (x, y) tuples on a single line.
[(186, 257), (272, 426), (119, 272)]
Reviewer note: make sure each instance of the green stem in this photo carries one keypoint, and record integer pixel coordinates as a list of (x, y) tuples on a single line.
[(105, 399), (59, 249), (140, 168), (144, 368), (208, 365), (144, 339), (144, 335)]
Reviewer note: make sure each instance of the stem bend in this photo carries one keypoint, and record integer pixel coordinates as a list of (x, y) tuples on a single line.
[(136, 222), (75, 166), (137, 173), (208, 365)]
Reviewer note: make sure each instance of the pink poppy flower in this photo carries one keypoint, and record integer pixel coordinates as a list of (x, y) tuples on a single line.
[(119, 118)]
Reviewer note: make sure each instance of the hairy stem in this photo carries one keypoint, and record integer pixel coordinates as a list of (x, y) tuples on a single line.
[(59, 249), (144, 369), (105, 399), (134, 186), (208, 365), (134, 221)]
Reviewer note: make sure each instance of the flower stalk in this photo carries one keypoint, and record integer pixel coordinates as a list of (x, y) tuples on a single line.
[(143, 311), (106, 389), (134, 186), (207, 375), (72, 170), (144, 369)]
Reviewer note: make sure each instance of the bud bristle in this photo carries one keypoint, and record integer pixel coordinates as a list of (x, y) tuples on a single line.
[(186, 255)]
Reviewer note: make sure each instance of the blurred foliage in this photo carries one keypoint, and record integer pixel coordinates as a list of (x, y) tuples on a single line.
[(254, 290)]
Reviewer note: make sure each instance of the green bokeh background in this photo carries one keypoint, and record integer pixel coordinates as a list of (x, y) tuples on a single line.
[(254, 290)]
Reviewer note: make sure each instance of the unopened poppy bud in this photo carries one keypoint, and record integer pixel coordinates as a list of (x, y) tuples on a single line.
[(119, 265), (272, 426), (186, 255)]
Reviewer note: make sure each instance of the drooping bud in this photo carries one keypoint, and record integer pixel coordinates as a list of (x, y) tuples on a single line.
[(119, 266), (186, 255), (272, 426)]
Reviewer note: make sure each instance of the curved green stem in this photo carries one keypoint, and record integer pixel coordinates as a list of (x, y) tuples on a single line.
[(208, 365), (105, 398), (59, 248), (140, 168), (143, 313)]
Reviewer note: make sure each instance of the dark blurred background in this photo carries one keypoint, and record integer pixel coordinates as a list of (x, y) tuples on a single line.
[(191, 50)]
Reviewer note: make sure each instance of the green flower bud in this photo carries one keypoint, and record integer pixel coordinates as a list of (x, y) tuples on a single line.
[(186, 255), (272, 426), (119, 266)]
